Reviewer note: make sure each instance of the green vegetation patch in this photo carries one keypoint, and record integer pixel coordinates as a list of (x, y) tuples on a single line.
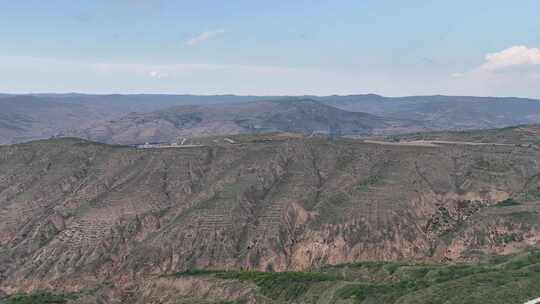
[(275, 285), (501, 279), (39, 297), (284, 285), (385, 293), (508, 202), (367, 183), (522, 261), (197, 272), (406, 279)]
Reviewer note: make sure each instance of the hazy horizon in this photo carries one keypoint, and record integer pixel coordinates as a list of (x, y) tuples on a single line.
[(254, 95)]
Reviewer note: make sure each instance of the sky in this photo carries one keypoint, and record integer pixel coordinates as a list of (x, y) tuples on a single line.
[(290, 47)]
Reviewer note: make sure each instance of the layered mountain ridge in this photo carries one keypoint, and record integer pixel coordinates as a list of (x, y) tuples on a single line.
[(299, 115), (41, 116)]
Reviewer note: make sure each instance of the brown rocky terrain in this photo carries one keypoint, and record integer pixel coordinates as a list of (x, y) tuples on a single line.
[(80, 215)]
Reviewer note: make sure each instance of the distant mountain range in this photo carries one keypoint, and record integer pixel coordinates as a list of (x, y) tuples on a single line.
[(147, 117), (297, 115), (445, 112)]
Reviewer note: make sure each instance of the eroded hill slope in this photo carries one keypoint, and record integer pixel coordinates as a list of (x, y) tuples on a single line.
[(76, 215)]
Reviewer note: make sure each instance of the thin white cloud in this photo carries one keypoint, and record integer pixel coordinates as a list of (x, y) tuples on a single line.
[(158, 74), (515, 56), (204, 36)]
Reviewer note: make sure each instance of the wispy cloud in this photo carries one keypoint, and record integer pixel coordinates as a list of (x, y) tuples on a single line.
[(204, 36), (158, 74)]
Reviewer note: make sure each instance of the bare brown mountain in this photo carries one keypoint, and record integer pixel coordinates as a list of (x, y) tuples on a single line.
[(289, 115), (79, 215)]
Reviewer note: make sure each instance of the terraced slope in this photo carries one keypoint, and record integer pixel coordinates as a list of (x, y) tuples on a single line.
[(76, 215)]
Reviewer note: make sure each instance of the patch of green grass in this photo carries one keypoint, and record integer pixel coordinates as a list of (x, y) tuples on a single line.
[(279, 285), (491, 287), (504, 279), (522, 261), (39, 297), (440, 285), (275, 285), (406, 280), (508, 202), (501, 279), (391, 267), (367, 264), (454, 272), (384, 293), (367, 183), (197, 272)]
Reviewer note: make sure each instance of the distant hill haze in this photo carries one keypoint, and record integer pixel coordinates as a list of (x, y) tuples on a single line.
[(297, 115), (445, 112), (40, 116), (139, 118)]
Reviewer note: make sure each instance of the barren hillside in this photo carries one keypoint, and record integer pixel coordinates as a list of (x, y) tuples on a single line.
[(77, 215)]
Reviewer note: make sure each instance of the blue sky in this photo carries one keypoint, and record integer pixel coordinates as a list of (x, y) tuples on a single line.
[(271, 47)]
